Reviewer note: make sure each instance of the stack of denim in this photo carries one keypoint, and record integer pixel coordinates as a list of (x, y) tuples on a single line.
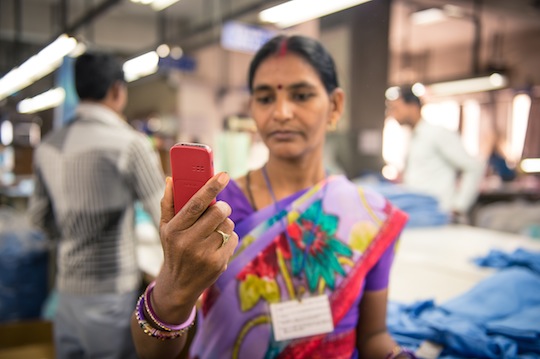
[(498, 318), (423, 209)]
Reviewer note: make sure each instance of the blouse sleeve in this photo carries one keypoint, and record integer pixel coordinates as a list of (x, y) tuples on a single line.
[(378, 276)]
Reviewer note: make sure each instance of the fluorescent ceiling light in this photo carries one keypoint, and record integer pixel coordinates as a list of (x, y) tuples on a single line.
[(494, 81), (37, 66), (6, 133), (46, 100), (141, 66), (434, 15), (297, 11), (78, 50), (530, 165), (428, 16), (157, 5)]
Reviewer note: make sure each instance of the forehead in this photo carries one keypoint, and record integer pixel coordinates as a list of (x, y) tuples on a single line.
[(285, 69)]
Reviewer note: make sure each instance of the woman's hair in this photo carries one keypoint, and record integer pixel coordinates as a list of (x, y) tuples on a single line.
[(307, 48), (95, 73)]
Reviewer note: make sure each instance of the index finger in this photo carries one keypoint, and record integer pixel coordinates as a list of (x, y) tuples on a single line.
[(200, 201)]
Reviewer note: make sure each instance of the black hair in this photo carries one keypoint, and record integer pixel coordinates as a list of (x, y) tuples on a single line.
[(307, 48), (408, 96), (95, 73)]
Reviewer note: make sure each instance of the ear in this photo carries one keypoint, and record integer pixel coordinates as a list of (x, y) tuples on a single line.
[(116, 96), (116, 89), (337, 105)]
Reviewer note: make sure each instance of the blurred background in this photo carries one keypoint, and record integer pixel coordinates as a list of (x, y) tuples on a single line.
[(474, 62)]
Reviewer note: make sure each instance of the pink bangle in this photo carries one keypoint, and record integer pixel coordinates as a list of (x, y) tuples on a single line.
[(151, 331), (165, 326)]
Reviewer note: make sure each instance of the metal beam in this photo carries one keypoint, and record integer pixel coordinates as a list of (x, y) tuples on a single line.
[(89, 16)]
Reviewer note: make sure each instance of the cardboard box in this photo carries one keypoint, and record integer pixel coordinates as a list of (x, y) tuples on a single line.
[(27, 340)]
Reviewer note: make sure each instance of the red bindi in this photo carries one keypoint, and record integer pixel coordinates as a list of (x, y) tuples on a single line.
[(279, 87)]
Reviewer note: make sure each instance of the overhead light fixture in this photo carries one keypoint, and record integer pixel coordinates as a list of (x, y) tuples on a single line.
[(6, 133), (78, 50), (494, 81), (393, 93), (428, 16), (297, 11), (434, 15), (44, 101), (530, 165), (157, 5), (141, 66), (37, 66)]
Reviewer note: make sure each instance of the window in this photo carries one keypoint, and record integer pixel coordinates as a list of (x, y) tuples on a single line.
[(521, 106)]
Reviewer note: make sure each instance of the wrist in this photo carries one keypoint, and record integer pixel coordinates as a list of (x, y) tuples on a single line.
[(171, 307)]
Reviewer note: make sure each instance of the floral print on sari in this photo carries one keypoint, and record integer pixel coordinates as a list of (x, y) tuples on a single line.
[(309, 249)]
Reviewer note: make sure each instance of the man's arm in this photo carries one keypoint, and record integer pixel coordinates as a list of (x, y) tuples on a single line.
[(40, 212), (146, 176), (471, 168)]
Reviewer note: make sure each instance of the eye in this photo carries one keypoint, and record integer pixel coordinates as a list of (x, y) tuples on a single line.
[(264, 99), (302, 96)]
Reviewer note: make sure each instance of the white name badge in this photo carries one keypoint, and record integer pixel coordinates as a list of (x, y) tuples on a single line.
[(294, 319)]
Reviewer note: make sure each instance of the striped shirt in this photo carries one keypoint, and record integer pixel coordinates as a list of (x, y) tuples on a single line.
[(88, 176)]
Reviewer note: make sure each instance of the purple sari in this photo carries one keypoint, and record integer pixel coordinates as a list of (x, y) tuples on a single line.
[(339, 241)]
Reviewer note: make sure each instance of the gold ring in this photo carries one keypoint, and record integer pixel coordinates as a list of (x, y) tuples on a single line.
[(225, 237)]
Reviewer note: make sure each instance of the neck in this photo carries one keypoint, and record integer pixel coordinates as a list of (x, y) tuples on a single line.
[(415, 119), (287, 177)]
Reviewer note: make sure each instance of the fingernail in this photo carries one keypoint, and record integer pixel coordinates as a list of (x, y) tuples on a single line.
[(223, 207), (223, 178), (168, 179)]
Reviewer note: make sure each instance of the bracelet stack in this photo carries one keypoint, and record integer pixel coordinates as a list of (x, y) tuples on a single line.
[(165, 331), (399, 352)]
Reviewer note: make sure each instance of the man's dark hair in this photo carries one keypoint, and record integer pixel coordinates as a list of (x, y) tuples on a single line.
[(409, 97), (95, 73)]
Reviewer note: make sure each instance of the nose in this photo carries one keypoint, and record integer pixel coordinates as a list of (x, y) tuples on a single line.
[(283, 109)]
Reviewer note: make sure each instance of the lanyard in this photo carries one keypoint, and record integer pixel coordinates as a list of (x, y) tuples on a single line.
[(311, 237)]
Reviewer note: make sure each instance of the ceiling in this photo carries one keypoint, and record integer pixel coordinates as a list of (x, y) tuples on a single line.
[(129, 29), (126, 27)]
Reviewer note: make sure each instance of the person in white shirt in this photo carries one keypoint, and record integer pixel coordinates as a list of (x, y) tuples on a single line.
[(437, 162)]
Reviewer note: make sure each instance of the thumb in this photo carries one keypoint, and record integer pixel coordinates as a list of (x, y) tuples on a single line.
[(167, 202)]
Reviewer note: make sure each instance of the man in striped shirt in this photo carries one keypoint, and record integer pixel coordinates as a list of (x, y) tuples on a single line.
[(88, 176)]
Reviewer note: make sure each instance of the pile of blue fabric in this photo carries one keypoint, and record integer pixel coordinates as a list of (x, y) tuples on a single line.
[(423, 209), (24, 255), (498, 318)]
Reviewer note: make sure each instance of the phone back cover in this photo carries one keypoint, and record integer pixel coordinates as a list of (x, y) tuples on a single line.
[(191, 167)]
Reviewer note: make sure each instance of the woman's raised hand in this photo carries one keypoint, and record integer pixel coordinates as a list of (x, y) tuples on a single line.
[(197, 245)]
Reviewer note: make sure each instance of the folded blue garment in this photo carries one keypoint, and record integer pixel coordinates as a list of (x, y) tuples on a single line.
[(504, 294), (498, 318), (423, 209), (520, 257), (522, 325)]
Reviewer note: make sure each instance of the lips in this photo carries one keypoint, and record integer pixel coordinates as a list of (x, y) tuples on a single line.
[(283, 135)]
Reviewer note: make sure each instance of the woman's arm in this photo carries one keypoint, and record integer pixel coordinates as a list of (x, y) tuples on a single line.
[(194, 257), (372, 338)]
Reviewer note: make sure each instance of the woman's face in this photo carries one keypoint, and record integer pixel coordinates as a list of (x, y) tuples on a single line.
[(291, 107)]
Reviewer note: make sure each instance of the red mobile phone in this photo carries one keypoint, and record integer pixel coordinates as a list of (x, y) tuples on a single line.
[(191, 166)]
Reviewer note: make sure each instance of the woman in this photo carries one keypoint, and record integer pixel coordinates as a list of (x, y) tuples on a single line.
[(315, 290)]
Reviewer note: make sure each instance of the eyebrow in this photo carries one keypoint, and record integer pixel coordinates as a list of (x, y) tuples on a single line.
[(294, 86)]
